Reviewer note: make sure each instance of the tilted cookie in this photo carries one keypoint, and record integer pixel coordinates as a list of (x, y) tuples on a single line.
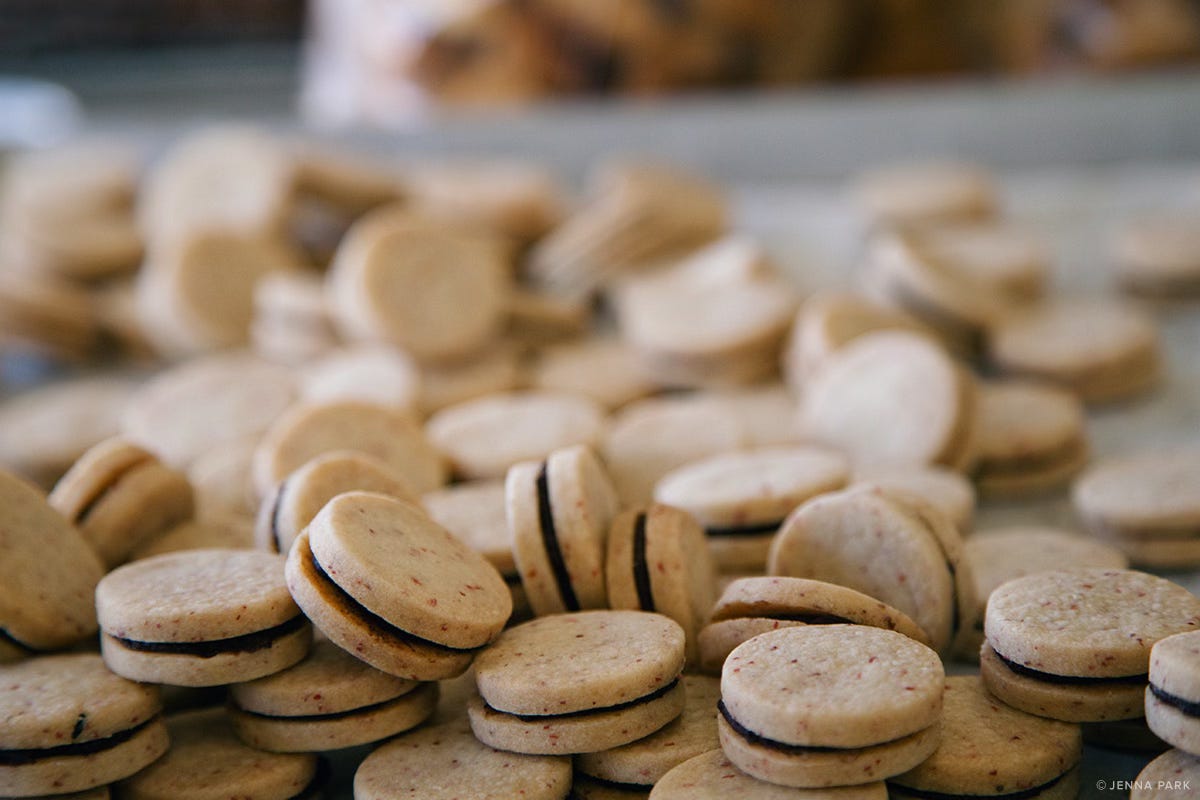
[(712, 776), (495, 369), (226, 533), (1173, 695), (923, 192), (1158, 256), (603, 369), (942, 488), (371, 373)]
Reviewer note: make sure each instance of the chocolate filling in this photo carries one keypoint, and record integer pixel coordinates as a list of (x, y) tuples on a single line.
[(350, 712), (618, 785), (8, 638), (352, 608), (1070, 680), (1189, 707), (587, 712), (558, 564), (641, 573), (103, 491), (762, 741), (1023, 794), (810, 618), (246, 643), (18, 758), (757, 529)]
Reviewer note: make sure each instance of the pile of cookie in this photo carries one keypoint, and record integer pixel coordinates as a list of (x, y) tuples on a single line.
[(439, 481)]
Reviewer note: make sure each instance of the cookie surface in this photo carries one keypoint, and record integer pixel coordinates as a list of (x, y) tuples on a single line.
[(1166, 776), (711, 776), (942, 488)]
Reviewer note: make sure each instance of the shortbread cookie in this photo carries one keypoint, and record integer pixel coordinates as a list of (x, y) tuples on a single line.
[(1004, 259), (1159, 256), (712, 776), (496, 369), (222, 482), (226, 533), (1173, 696), (372, 373), (717, 640), (1166, 777), (766, 413), (605, 370), (291, 322), (942, 488), (924, 192), (538, 319)]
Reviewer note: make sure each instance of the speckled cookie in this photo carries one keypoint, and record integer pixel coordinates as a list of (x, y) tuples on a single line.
[(742, 498), (942, 488), (208, 762), (310, 429), (991, 750), (482, 438), (717, 640), (447, 762), (1159, 256), (924, 192), (227, 533), (121, 496), (328, 701), (865, 706), (291, 505), (422, 617), (200, 618), (1075, 644), (603, 679), (371, 373), (1168, 777), (605, 370), (712, 776), (68, 724), (1173, 695), (48, 574), (559, 512), (658, 560)]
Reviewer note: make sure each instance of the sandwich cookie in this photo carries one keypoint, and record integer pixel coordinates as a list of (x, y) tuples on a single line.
[(447, 762), (70, 725), (200, 618), (208, 762), (291, 505), (947, 491), (717, 640), (605, 370), (864, 704), (1173, 696), (712, 776), (370, 373), (310, 429), (893, 396), (633, 769), (291, 323), (927, 192), (328, 701), (1005, 260), (1166, 777), (1032, 438), (991, 750), (603, 679), (228, 533), (1159, 256), (658, 561), (537, 319), (121, 496), (48, 575), (1148, 505), (559, 512), (741, 499), (423, 616), (222, 483), (482, 438), (1075, 644)]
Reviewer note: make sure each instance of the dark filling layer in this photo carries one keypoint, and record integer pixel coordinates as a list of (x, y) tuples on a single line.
[(757, 529), (352, 608), (246, 643), (558, 564), (587, 712), (275, 541), (8, 638), (762, 741), (18, 758), (1189, 707), (103, 491), (617, 785), (809, 618), (1023, 794), (1070, 680), (641, 572), (351, 712)]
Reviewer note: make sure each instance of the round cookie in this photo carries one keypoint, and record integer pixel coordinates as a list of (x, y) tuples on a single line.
[(496, 369), (310, 429), (712, 776), (1075, 644), (866, 705), (328, 701), (998, 257), (228, 533), (48, 575), (893, 396), (447, 762), (71, 725), (1173, 695), (766, 413), (579, 683), (221, 480), (200, 618), (482, 438), (423, 616), (742, 498), (537, 319), (371, 373), (991, 750), (604, 370), (291, 505), (1158, 256), (208, 762), (925, 192), (48, 318), (717, 640), (559, 512), (944, 489), (1167, 776), (120, 496)]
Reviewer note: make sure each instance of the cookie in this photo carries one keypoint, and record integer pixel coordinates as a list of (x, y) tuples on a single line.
[(1156, 256), (491, 371), (658, 560), (422, 617), (71, 725), (742, 498), (717, 640), (712, 776), (925, 192), (866, 705), (291, 505), (47, 318), (998, 257), (605, 370), (328, 701), (942, 488), (371, 373), (291, 322), (766, 413), (447, 762), (227, 533), (221, 480), (1173, 695), (48, 574), (991, 750), (559, 512), (605, 679), (1075, 644), (1102, 351), (308, 430), (1166, 777), (893, 397), (200, 618), (120, 496), (482, 438), (208, 762), (534, 318)]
